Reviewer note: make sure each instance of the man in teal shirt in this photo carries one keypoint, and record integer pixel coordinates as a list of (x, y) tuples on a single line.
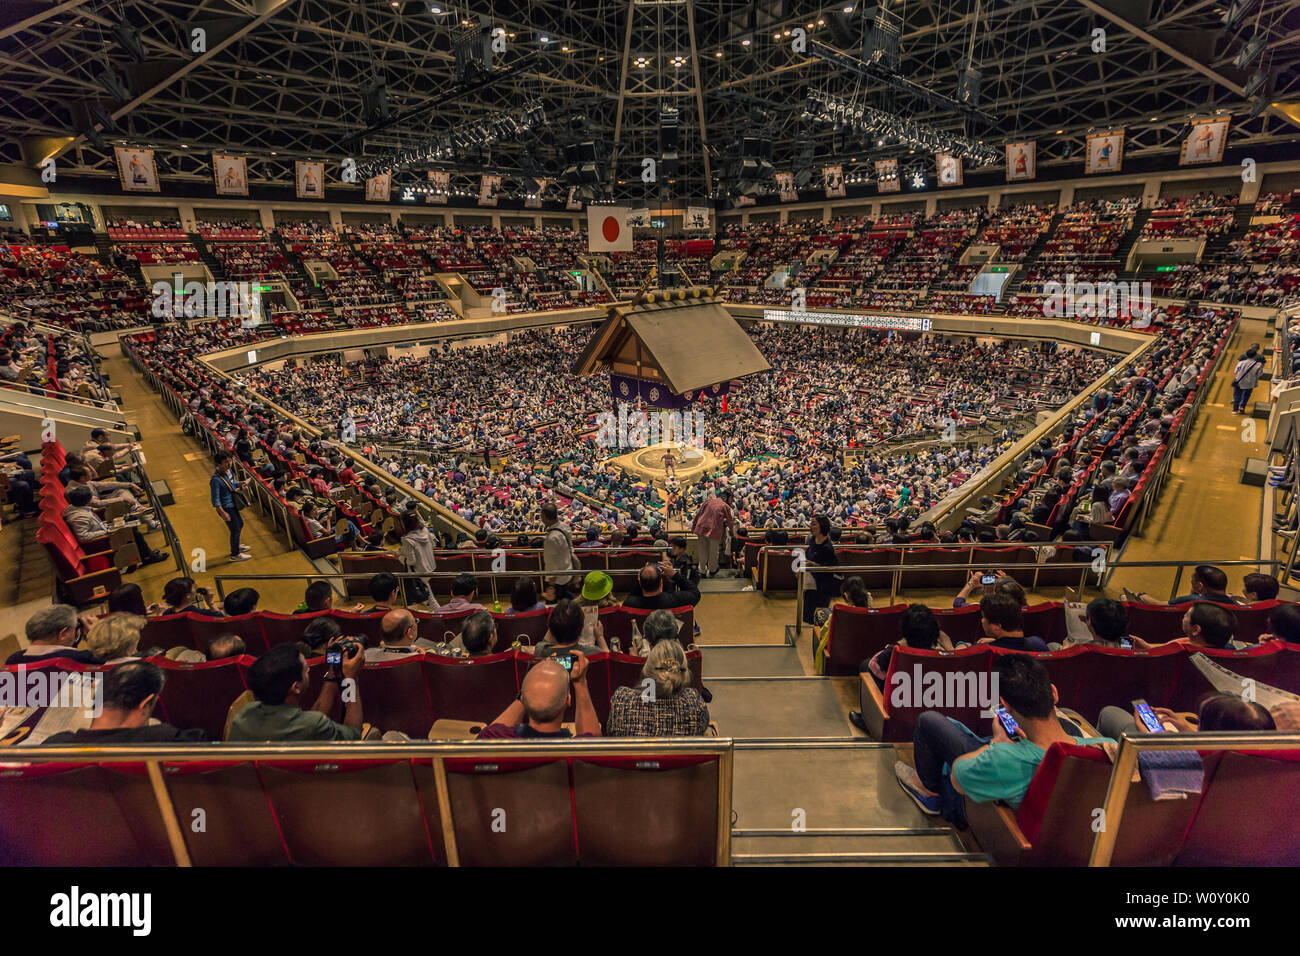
[(954, 765)]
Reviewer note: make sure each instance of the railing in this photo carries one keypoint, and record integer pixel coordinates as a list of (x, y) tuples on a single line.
[(1130, 748), (437, 754), (1103, 572)]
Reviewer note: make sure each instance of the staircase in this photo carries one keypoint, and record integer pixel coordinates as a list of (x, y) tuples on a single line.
[(205, 254), (1216, 250), (1130, 239), (104, 247), (808, 789)]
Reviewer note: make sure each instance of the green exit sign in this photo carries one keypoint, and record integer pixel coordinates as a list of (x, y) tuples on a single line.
[(1000, 269), (1166, 268)]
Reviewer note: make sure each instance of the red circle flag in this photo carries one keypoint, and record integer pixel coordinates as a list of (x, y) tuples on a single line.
[(610, 228)]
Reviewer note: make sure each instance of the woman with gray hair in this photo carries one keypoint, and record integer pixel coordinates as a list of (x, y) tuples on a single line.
[(662, 704), (116, 638)]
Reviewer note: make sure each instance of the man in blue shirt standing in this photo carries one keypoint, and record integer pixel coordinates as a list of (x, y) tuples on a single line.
[(954, 765), (224, 486)]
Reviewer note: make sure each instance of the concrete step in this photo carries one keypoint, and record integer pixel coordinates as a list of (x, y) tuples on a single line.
[(777, 707), (751, 660)]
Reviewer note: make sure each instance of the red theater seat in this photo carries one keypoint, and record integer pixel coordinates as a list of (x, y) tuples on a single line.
[(199, 695), (512, 812)]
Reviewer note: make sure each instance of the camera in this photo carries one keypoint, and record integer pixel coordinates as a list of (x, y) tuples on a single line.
[(566, 661), (343, 648)]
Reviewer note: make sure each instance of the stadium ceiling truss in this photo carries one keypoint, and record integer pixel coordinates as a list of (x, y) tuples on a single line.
[(281, 79)]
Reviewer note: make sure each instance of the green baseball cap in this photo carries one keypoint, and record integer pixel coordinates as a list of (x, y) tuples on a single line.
[(596, 585)]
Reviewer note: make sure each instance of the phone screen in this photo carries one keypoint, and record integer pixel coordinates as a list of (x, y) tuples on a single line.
[(1148, 716), (334, 658), (988, 579), (1009, 723), (1125, 643), (566, 661)]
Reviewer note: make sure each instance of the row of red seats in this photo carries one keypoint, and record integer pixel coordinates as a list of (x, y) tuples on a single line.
[(85, 573), (586, 802), (1087, 679)]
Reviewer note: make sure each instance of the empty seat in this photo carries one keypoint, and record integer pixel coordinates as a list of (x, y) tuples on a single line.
[(367, 814), (672, 798), (1247, 813), (512, 811), (118, 823), (471, 689), (199, 695), (856, 633), (395, 696), (235, 825)]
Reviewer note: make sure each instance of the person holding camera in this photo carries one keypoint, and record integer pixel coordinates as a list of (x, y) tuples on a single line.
[(548, 689), (280, 677)]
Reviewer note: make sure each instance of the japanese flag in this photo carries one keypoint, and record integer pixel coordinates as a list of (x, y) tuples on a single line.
[(607, 229)]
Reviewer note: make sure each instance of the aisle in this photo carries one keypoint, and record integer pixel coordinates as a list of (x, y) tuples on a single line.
[(1204, 511)]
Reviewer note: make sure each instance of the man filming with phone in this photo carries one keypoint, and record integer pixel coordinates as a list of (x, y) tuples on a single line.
[(280, 677), (548, 689)]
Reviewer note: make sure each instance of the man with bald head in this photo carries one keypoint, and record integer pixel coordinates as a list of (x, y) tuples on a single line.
[(397, 633), (538, 713)]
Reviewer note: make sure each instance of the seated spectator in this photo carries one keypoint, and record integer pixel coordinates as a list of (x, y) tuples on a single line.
[(663, 704), (86, 526), (660, 625), (1002, 619), (318, 635), (1205, 624), (564, 632), (593, 538), (383, 588), (985, 769), (1283, 624), (1107, 621), (53, 632), (130, 693), (523, 597), (318, 596), (464, 592), (1258, 587), (127, 599), (183, 595), (116, 638), (278, 679), (225, 645), (651, 592), (548, 689), (1208, 584), (1217, 712), (240, 601), (397, 633), (478, 635), (853, 593)]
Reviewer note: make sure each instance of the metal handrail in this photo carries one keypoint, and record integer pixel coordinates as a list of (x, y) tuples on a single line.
[(1084, 567), (1130, 748), (492, 576), (436, 753)]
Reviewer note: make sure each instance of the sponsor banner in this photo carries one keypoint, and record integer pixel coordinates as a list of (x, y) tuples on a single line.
[(534, 200), (310, 178), (905, 323), (1022, 160), (887, 176), (948, 167), (230, 173), (626, 388), (573, 202), (833, 178), (441, 182), (698, 218), (1105, 152), (137, 169), (786, 188), (638, 218), (1205, 143), (379, 188), (488, 187)]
